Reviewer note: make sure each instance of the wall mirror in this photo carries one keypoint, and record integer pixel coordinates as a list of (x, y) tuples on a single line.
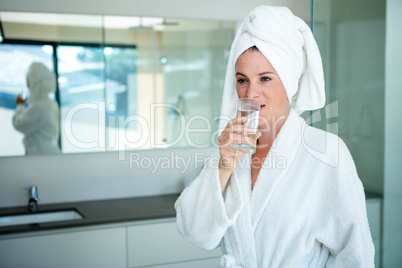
[(122, 82)]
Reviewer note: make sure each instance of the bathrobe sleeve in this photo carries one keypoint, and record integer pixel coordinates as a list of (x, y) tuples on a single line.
[(203, 213), (346, 233), (31, 119)]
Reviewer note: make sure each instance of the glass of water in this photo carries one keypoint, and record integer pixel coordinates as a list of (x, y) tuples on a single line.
[(249, 108)]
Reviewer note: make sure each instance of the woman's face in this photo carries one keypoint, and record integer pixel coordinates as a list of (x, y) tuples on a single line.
[(257, 79)]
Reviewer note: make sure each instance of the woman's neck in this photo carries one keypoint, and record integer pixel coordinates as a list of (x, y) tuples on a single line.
[(270, 133)]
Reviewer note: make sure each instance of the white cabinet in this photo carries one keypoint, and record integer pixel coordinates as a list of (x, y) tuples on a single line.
[(95, 248), (155, 243), (161, 243)]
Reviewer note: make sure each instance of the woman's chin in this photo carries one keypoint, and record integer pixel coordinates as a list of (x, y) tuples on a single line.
[(262, 123)]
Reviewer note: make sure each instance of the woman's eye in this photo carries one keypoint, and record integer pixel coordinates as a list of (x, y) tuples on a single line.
[(241, 80), (265, 79)]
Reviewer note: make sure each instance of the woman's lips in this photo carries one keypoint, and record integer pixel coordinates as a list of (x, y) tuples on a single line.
[(262, 106)]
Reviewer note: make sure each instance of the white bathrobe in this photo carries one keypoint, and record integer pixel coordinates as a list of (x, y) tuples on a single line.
[(40, 125), (306, 209), (39, 122)]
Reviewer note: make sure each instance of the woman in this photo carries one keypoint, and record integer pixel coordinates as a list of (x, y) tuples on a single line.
[(307, 208), (39, 122)]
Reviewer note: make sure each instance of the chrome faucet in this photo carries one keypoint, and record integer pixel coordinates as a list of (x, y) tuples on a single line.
[(33, 198)]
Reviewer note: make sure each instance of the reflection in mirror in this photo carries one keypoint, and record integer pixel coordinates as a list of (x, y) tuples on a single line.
[(13, 59), (123, 82), (37, 116)]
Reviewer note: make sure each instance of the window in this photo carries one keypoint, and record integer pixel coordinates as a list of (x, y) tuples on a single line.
[(94, 88)]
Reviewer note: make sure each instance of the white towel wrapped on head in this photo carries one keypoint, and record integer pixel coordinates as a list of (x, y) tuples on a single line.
[(288, 44)]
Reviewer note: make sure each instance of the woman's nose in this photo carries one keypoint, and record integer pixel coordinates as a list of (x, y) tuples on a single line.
[(253, 91)]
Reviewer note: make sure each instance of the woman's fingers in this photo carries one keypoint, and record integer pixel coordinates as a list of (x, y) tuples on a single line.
[(242, 129), (228, 139), (240, 153), (19, 99), (235, 121), (234, 133), (240, 138), (238, 120), (236, 125)]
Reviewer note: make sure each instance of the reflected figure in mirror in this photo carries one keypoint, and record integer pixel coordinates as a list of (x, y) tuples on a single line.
[(39, 120)]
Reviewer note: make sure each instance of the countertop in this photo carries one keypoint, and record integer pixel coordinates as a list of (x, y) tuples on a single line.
[(98, 212), (103, 212)]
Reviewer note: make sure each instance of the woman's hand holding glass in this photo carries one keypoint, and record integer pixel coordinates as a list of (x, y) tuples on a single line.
[(233, 133)]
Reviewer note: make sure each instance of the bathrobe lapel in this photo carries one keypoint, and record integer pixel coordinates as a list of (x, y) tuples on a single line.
[(277, 162), (240, 237), (242, 231)]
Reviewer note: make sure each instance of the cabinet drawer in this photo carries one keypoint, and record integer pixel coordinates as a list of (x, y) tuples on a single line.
[(161, 243), (98, 248)]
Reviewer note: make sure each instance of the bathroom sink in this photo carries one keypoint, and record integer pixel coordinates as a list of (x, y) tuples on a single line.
[(40, 217)]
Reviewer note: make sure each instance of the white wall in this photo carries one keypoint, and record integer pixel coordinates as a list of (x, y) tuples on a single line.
[(190, 9), (392, 221)]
